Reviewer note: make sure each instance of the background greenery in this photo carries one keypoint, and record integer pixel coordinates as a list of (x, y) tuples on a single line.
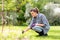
[(14, 11)]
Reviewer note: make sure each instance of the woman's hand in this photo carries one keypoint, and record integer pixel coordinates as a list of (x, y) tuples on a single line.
[(23, 32), (28, 28), (37, 24)]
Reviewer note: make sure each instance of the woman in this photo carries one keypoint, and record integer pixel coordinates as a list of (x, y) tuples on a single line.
[(39, 23)]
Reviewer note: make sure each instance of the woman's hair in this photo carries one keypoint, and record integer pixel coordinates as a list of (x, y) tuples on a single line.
[(34, 10)]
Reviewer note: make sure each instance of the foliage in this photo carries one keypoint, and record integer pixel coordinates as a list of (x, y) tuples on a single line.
[(18, 6)]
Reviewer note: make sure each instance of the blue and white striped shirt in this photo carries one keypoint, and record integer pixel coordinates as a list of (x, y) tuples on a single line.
[(41, 19)]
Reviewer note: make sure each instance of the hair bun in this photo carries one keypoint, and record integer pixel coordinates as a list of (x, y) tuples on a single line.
[(35, 10)]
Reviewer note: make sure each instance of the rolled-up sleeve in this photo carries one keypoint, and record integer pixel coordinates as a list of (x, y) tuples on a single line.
[(44, 20)]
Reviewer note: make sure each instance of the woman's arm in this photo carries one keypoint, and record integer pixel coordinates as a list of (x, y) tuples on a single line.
[(40, 25)]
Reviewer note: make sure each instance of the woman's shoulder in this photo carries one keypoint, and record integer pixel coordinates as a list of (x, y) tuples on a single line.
[(41, 14)]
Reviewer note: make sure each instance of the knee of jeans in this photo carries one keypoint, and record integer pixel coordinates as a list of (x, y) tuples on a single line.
[(33, 28), (37, 29)]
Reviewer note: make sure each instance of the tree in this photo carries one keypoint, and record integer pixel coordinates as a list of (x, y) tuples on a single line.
[(2, 14)]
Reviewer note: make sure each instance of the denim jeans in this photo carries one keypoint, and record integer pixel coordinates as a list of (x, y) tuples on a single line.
[(37, 28)]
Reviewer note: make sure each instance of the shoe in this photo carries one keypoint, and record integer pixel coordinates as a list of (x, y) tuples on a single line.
[(45, 35)]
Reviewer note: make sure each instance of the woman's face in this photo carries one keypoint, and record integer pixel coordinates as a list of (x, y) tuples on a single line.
[(33, 14)]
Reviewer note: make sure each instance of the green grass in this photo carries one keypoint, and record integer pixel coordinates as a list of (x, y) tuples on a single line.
[(14, 33)]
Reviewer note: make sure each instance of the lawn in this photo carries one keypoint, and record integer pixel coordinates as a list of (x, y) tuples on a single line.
[(14, 33)]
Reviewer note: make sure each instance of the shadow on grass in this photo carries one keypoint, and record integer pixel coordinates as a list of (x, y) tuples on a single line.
[(48, 37), (54, 36)]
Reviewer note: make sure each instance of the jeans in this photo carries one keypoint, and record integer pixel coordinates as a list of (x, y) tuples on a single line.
[(37, 28)]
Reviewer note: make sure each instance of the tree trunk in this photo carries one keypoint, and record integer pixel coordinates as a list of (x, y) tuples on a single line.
[(3, 15)]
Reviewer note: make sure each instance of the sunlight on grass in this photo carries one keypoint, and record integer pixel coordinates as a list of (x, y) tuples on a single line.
[(14, 33)]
